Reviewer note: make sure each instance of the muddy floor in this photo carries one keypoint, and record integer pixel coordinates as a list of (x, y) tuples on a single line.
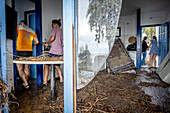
[(136, 92)]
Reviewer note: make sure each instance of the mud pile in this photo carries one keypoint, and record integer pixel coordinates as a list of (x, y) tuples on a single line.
[(3, 90), (114, 93), (105, 93)]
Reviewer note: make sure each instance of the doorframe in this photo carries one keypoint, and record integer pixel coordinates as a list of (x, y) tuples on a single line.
[(151, 25), (38, 21), (3, 51), (138, 49), (69, 22), (33, 67), (26, 13)]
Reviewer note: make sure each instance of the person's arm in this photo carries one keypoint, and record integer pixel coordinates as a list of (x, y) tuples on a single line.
[(61, 38), (146, 45), (52, 38), (17, 29), (150, 44), (36, 41)]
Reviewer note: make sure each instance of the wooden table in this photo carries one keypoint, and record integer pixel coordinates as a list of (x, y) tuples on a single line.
[(52, 73)]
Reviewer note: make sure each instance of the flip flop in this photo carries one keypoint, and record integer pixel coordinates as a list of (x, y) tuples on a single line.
[(27, 87)]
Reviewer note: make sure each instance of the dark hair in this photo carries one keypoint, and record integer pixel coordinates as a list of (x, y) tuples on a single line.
[(58, 22), (145, 38), (154, 37), (23, 22)]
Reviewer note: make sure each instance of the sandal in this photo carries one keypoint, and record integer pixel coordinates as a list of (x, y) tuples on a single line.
[(27, 87), (43, 86), (61, 81)]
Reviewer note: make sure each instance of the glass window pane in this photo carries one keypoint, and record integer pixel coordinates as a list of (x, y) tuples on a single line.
[(97, 26)]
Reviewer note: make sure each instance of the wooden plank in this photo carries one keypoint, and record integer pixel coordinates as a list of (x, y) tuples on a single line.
[(165, 73), (164, 62)]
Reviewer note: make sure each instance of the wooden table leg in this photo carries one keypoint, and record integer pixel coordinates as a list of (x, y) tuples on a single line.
[(53, 83)]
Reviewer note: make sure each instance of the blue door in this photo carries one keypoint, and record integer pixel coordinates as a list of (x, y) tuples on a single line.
[(163, 42), (32, 25)]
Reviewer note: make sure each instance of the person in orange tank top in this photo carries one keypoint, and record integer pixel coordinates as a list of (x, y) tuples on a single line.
[(26, 38)]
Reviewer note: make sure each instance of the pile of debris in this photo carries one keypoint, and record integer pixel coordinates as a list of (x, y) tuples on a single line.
[(114, 93), (163, 70), (3, 90), (106, 93), (119, 59)]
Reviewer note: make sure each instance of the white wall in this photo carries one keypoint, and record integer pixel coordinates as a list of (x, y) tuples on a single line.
[(21, 6), (51, 9), (9, 48), (128, 26), (10, 70)]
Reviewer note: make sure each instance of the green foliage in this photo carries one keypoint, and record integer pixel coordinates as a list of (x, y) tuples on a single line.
[(148, 31), (103, 16)]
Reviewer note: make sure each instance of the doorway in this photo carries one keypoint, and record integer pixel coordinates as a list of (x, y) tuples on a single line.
[(149, 31), (161, 32), (31, 22)]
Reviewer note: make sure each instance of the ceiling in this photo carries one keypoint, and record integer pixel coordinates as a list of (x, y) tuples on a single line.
[(129, 6)]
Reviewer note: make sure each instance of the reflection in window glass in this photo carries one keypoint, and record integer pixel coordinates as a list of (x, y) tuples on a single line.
[(117, 32), (97, 26)]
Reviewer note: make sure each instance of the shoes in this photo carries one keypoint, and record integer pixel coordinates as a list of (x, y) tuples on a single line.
[(43, 86), (61, 81), (150, 67), (27, 87)]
